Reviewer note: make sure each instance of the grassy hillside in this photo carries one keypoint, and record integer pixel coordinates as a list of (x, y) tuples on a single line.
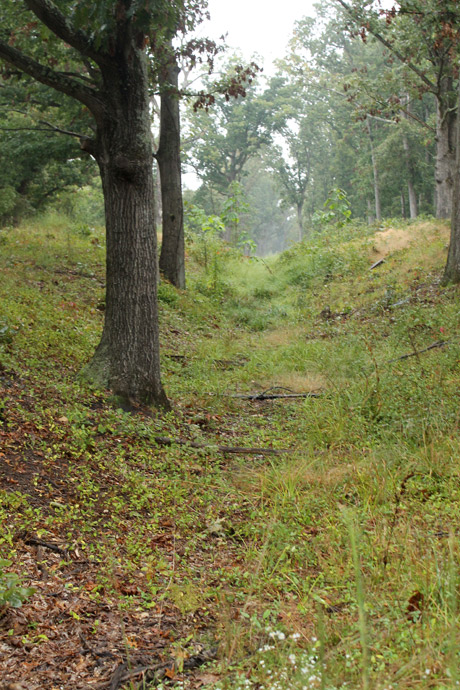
[(321, 554)]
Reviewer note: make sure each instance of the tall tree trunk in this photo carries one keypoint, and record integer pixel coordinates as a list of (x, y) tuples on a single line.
[(300, 221), (370, 215), (403, 204), (378, 209), (413, 210), (452, 269), (127, 358), (446, 118), (157, 197), (172, 256)]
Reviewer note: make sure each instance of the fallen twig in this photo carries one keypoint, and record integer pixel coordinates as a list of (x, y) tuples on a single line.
[(155, 672), (276, 396), (438, 343), (33, 541), (377, 263), (268, 395), (117, 676), (166, 441)]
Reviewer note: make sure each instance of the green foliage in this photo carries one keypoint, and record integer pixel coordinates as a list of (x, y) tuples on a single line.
[(324, 258), (8, 198), (12, 592), (232, 209), (380, 442), (336, 210), (204, 232), (7, 332), (167, 294)]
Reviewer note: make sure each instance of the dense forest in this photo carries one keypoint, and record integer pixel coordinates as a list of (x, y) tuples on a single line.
[(229, 349)]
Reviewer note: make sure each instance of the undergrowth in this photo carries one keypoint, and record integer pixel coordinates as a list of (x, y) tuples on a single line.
[(329, 566)]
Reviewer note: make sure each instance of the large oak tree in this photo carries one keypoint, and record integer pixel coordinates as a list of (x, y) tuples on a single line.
[(102, 63)]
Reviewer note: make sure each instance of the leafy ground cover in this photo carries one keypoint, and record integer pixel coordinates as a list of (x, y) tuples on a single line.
[(329, 563)]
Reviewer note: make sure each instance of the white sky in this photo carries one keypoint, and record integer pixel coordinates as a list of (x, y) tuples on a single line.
[(256, 26)]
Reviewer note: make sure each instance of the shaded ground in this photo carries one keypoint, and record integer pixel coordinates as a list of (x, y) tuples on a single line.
[(77, 631)]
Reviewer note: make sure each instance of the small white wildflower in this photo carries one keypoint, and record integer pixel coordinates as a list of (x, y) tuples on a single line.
[(295, 636), (281, 635), (262, 662), (292, 658), (427, 671)]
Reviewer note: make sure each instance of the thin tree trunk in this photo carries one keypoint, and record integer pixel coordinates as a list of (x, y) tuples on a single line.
[(452, 269), (370, 216), (403, 204), (300, 221), (445, 148), (378, 210), (157, 197), (413, 211), (172, 256)]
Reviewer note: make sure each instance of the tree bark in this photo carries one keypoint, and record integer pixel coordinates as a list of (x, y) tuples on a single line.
[(299, 208), (452, 269), (413, 210), (378, 209), (370, 216), (403, 204), (446, 119), (172, 256), (127, 358)]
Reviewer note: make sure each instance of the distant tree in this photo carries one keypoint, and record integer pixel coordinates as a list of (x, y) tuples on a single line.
[(301, 150), (424, 36), (365, 126), (225, 136), (268, 222)]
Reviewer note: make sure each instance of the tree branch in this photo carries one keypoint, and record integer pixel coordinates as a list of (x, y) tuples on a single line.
[(354, 15), (52, 17), (49, 77)]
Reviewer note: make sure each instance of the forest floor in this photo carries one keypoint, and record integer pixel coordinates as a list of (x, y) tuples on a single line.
[(276, 542)]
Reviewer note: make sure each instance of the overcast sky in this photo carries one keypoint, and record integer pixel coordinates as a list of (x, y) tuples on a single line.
[(256, 26)]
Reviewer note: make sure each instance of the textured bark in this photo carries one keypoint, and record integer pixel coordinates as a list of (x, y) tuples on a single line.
[(403, 204), (446, 119), (452, 269), (378, 209), (172, 257), (413, 208), (410, 167), (127, 358), (370, 215), (300, 220)]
